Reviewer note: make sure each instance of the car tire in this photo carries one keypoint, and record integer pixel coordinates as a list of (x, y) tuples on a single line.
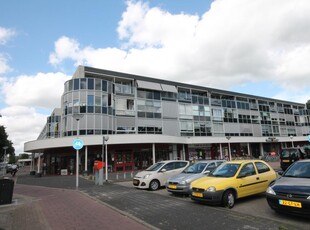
[(229, 199), (154, 185)]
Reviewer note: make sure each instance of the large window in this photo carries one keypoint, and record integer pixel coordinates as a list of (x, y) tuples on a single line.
[(186, 128), (185, 111), (124, 106), (149, 108), (217, 115), (202, 129)]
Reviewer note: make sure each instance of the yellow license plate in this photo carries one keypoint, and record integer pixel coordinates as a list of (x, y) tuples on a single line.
[(171, 186), (290, 203), (198, 194), (286, 161)]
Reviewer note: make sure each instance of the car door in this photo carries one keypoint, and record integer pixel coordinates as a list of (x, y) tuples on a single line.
[(166, 172), (247, 180), (265, 174)]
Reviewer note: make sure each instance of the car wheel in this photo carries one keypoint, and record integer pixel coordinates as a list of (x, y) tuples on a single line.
[(154, 185), (229, 199)]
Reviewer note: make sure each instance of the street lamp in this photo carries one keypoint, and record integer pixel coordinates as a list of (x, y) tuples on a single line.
[(77, 117), (292, 140), (4, 156), (105, 140), (228, 138)]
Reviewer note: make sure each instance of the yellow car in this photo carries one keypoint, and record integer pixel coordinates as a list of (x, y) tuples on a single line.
[(233, 180)]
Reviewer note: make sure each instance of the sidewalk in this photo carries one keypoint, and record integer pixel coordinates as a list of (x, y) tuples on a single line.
[(37, 207)]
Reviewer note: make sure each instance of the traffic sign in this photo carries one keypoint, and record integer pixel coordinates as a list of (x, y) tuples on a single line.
[(309, 138), (78, 144)]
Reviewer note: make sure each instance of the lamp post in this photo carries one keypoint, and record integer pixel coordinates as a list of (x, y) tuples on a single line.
[(105, 140), (77, 117), (4, 156), (292, 140), (228, 138)]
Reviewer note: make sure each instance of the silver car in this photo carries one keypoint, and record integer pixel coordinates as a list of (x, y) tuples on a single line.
[(180, 183)]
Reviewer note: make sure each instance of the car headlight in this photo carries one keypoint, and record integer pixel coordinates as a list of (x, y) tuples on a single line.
[(211, 189), (183, 182), (146, 176), (270, 191)]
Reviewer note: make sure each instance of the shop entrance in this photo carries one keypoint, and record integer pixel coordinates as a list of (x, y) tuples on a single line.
[(123, 161)]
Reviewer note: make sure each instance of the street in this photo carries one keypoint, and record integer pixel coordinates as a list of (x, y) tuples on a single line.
[(255, 206), (162, 210)]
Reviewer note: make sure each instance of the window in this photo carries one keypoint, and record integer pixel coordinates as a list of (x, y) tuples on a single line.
[(185, 111), (261, 167), (248, 170), (217, 114), (83, 83), (90, 83)]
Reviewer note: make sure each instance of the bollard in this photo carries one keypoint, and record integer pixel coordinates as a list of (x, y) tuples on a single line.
[(124, 175), (131, 174), (116, 176)]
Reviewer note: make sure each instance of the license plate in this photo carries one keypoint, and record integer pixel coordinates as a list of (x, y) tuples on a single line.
[(286, 161), (198, 194), (172, 186), (290, 203)]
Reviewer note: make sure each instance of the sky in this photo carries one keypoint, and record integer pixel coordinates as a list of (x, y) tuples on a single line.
[(259, 47)]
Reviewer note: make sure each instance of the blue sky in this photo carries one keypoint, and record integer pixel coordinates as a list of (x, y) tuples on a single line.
[(257, 47)]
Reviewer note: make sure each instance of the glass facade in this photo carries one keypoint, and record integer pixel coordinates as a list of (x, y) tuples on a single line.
[(107, 102)]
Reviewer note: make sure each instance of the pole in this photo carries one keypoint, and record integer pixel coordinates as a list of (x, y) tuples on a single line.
[(106, 158), (229, 152), (77, 155)]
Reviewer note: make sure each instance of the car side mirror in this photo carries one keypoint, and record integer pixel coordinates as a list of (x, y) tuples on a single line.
[(207, 172), (280, 172), (163, 170)]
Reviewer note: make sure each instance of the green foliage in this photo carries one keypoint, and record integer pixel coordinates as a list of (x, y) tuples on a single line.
[(4, 141), (24, 156)]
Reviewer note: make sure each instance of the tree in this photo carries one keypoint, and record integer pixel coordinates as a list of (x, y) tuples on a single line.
[(308, 104), (4, 141)]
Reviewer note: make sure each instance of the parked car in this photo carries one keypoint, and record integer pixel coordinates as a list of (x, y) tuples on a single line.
[(180, 183), (291, 192), (11, 167), (289, 155), (233, 180), (156, 175)]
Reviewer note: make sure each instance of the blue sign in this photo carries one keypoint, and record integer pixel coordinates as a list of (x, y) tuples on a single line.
[(78, 144)]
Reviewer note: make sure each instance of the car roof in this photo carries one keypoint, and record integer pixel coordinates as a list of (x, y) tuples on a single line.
[(244, 161), (208, 161), (168, 161)]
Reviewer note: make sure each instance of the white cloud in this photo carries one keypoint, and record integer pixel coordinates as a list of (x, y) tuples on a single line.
[(5, 35), (4, 67), (27, 97), (22, 124), (41, 90), (236, 41)]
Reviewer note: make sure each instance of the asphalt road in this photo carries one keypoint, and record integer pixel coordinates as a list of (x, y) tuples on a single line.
[(253, 212), (162, 210)]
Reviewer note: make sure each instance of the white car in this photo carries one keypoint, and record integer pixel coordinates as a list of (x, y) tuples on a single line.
[(156, 175)]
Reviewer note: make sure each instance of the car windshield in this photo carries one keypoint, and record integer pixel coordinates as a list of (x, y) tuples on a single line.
[(300, 170), (195, 168), (225, 170), (289, 152), (155, 166)]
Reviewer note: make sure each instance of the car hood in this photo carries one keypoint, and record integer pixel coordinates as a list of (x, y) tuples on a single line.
[(189, 177), (207, 181), (290, 184), (143, 173)]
